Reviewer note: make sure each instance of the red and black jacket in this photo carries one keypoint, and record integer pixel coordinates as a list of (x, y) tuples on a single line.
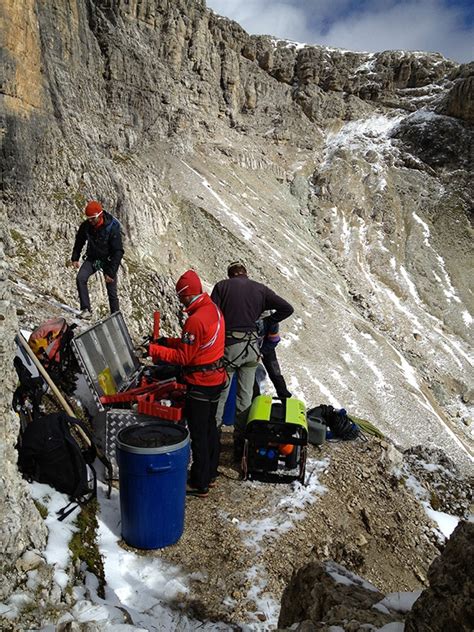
[(201, 347)]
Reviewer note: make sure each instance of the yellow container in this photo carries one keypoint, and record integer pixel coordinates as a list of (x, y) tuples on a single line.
[(106, 382)]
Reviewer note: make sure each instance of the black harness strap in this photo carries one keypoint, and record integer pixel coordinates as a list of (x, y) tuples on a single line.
[(198, 368), (251, 337)]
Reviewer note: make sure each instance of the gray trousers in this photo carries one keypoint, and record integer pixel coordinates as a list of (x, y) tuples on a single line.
[(85, 272), (240, 358)]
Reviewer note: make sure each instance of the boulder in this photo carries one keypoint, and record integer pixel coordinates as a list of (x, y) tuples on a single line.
[(327, 593), (448, 604)]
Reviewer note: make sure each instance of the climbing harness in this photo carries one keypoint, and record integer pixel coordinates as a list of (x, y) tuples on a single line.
[(198, 368), (252, 340)]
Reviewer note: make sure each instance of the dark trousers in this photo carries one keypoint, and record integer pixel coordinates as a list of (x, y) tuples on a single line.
[(201, 407), (85, 272), (270, 362)]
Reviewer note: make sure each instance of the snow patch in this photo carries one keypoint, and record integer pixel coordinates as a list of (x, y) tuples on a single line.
[(467, 318), (446, 523), (342, 575), (57, 552), (410, 284), (362, 135), (399, 601), (291, 507), (426, 230), (380, 381), (241, 226), (323, 389)]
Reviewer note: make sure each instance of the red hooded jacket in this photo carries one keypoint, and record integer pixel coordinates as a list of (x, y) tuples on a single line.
[(201, 343)]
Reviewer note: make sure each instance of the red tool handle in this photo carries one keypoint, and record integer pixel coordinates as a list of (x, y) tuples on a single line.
[(156, 325)]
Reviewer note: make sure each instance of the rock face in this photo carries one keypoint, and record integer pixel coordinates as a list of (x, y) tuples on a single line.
[(21, 524), (343, 179), (323, 595), (458, 102), (319, 595), (448, 604)]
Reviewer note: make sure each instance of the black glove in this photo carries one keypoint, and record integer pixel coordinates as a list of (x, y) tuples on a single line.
[(164, 370), (162, 340), (270, 326)]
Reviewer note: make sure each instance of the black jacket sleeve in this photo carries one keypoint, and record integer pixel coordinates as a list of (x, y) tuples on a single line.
[(115, 252), (81, 238), (282, 308)]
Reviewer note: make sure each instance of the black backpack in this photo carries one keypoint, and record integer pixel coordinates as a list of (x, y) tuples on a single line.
[(29, 391), (49, 453), (341, 426)]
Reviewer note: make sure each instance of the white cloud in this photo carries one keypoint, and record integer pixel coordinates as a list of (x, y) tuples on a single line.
[(264, 17), (413, 25), (374, 25)]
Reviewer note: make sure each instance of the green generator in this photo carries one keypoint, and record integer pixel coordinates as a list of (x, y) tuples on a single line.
[(276, 439)]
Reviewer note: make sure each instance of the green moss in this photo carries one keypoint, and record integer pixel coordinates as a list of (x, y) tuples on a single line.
[(119, 158), (79, 200), (23, 250), (83, 544), (16, 236), (133, 266), (59, 195), (102, 311), (435, 501), (138, 313), (41, 508), (75, 197)]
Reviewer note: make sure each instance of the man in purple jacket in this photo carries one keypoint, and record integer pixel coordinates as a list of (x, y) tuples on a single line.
[(242, 301)]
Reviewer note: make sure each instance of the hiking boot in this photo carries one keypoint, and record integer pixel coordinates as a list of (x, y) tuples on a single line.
[(196, 491), (213, 483), (85, 314)]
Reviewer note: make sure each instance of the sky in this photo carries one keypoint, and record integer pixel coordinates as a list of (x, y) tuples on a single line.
[(444, 26)]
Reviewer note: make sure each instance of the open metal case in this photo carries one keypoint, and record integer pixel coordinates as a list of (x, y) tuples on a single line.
[(105, 350)]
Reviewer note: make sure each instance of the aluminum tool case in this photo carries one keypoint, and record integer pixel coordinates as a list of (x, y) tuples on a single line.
[(107, 346)]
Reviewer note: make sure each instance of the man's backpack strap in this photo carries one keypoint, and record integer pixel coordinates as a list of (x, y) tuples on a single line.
[(87, 455), (112, 225), (90, 452), (74, 504)]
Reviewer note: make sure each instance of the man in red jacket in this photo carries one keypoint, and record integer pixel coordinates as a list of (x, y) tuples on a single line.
[(199, 352)]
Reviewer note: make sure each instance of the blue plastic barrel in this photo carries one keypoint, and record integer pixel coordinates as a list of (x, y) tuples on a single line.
[(153, 462)]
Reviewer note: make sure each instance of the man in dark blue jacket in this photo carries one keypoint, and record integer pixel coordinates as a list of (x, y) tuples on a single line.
[(104, 252), (270, 337), (242, 301)]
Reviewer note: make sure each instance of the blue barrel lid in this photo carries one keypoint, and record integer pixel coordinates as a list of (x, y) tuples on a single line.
[(154, 437)]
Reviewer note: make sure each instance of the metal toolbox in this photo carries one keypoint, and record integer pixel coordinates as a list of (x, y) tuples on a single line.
[(106, 349)]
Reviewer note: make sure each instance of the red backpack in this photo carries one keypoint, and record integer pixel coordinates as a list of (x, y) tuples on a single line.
[(50, 342)]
